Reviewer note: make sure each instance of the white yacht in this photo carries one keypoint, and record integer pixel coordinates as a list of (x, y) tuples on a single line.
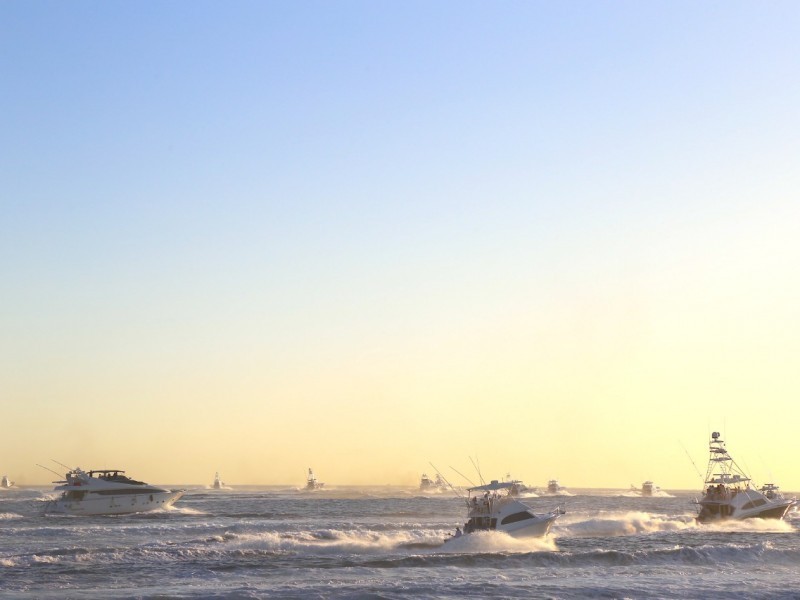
[(729, 493), (107, 492), (218, 483), (426, 484), (554, 488), (488, 509), (312, 483), (648, 489), (6, 483)]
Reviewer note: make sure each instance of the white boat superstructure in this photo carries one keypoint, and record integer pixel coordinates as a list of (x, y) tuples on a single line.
[(108, 492), (6, 483), (489, 509), (648, 489), (771, 491), (311, 481), (517, 487), (729, 493)]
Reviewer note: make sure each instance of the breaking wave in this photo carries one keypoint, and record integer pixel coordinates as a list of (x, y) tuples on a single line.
[(617, 524), (638, 494)]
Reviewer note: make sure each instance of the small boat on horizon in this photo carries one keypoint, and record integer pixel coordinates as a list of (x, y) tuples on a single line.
[(554, 488), (107, 492), (312, 483), (490, 510), (647, 490), (218, 483), (730, 494), (6, 483)]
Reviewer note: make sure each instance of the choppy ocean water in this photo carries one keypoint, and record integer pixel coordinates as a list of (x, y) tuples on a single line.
[(385, 542)]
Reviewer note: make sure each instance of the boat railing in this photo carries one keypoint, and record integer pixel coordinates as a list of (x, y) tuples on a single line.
[(721, 493)]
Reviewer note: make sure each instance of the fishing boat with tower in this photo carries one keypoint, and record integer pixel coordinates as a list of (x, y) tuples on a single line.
[(312, 483), (729, 493)]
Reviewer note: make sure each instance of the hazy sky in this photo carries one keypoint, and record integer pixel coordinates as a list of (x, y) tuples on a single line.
[(254, 237)]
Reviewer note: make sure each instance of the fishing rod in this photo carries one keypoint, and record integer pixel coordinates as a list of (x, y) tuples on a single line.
[(450, 485), (62, 464), (691, 460), (464, 476), (477, 468), (49, 469)]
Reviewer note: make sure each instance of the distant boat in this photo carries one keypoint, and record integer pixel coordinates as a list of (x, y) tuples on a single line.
[(311, 482), (218, 483), (730, 495), (491, 510), (648, 489), (426, 484), (554, 488), (771, 491), (108, 492), (6, 483), (517, 487)]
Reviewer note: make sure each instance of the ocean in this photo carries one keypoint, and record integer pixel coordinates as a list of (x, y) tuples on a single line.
[(387, 542)]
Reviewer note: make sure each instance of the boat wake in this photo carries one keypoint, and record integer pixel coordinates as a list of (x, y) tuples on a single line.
[(182, 510), (524, 495), (619, 524), (751, 526), (497, 541), (638, 494), (332, 541)]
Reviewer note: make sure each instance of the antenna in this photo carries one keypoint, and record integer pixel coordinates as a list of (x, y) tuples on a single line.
[(766, 466)]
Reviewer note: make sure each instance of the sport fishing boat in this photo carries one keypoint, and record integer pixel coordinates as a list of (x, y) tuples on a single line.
[(6, 483), (517, 487), (108, 492), (488, 509), (554, 488), (426, 484), (729, 493), (312, 483), (648, 489), (771, 491), (218, 483)]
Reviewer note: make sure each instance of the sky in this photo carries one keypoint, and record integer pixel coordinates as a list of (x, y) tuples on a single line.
[(558, 238)]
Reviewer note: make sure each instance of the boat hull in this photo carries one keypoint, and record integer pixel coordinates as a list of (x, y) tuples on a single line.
[(711, 513), (121, 504), (539, 528)]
